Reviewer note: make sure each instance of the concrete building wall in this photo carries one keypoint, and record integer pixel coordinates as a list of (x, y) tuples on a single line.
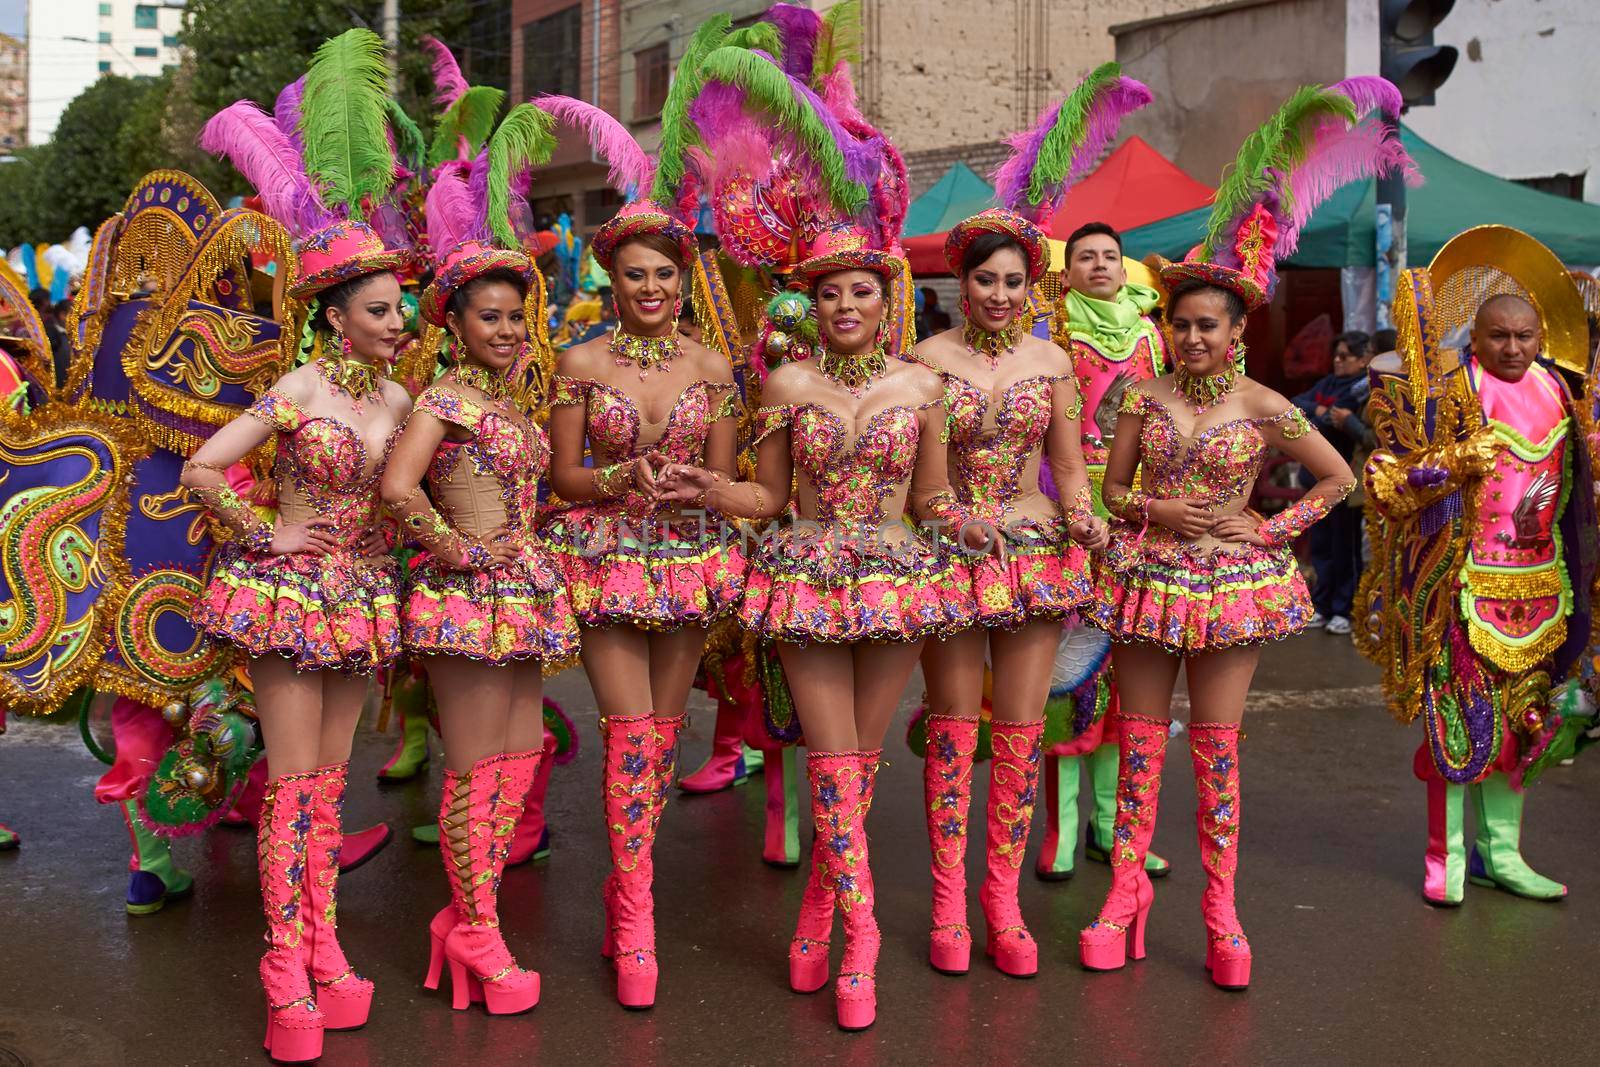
[(938, 74), (73, 42), (1524, 99), (1218, 74)]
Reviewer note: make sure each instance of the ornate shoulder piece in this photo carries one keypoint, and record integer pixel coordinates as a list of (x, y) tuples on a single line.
[(278, 411), (449, 406), (566, 390), (1291, 422), (769, 420)]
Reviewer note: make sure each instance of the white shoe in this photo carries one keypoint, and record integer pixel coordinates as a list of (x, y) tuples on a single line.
[(1318, 621), (1339, 625)]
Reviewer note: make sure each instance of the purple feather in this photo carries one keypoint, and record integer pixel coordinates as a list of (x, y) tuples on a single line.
[(798, 28), (257, 149), (286, 112), (1105, 116), (448, 83), (1100, 124), (454, 215), (862, 159), (631, 167), (1011, 179)]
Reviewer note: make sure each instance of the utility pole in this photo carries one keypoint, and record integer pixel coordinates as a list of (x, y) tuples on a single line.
[(391, 38), (1409, 59)]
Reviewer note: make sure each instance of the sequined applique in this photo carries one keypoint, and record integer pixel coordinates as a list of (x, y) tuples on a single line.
[(852, 483), (989, 463)]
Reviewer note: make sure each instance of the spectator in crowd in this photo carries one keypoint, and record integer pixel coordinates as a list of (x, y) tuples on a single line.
[(936, 317), (60, 348), (608, 318), (1335, 406)]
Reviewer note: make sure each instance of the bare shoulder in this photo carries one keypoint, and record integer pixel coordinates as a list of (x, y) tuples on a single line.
[(1050, 356), (583, 361), (709, 364), (935, 351), (395, 395), (917, 378), (299, 384), (1260, 402), (788, 383)]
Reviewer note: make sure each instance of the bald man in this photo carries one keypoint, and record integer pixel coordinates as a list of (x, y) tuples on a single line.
[(1514, 629)]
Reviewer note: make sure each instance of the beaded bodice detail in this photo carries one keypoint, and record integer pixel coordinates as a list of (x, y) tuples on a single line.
[(325, 467), (492, 478), (852, 480), (996, 446), (617, 431), (1219, 464)]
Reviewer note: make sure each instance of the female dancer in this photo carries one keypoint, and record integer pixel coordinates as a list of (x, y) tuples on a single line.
[(1192, 577), (312, 599), (849, 593), (486, 606), (645, 578), (1012, 400)]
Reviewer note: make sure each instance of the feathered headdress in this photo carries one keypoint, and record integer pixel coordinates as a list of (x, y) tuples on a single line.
[(1319, 140), (469, 207), (322, 161), (785, 154), (631, 171), (1047, 160)]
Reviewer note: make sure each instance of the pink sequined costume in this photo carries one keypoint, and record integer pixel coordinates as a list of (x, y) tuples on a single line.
[(338, 610), (511, 612), (850, 569), (630, 562), (1187, 596)]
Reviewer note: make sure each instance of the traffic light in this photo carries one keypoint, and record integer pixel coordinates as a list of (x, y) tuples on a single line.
[(1407, 54)]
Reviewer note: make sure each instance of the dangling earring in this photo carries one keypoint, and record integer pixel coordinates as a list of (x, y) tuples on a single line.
[(458, 350), (883, 329), (677, 308), (341, 344), (966, 307), (1236, 353)]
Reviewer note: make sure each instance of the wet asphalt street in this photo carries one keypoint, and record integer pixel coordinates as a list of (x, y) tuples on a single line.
[(1351, 966)]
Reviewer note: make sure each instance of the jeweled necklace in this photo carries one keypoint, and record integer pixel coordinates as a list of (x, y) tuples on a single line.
[(993, 345), (491, 383), (854, 372), (352, 377), (645, 353), (1205, 391)]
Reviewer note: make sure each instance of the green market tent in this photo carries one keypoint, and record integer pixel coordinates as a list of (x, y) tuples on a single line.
[(1455, 196), (957, 195)]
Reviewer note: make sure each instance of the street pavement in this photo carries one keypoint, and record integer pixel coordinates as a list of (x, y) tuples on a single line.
[(1351, 966)]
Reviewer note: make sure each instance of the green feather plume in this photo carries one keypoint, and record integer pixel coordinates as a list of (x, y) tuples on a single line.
[(839, 39), (1279, 145), (408, 137), (1061, 143), (525, 139), (472, 116), (768, 88), (758, 36), (342, 119), (678, 134)]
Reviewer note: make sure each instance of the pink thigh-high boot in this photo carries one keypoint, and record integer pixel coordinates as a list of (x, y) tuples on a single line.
[(294, 1022), (1214, 748), (1106, 943), (640, 755), (343, 995), (474, 831), (1013, 789), (947, 794), (841, 797)]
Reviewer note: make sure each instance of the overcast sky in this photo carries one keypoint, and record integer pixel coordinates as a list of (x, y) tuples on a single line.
[(13, 17)]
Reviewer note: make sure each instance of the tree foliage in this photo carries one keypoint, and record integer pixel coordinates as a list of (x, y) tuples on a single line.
[(119, 129)]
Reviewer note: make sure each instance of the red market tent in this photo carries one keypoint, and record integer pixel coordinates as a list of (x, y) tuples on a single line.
[(1134, 185)]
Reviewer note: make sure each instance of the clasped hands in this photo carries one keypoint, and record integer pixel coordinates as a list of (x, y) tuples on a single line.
[(1190, 518)]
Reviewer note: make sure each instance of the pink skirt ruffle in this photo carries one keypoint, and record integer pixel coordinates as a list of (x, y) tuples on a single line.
[(1188, 600), (654, 575), (338, 611), (811, 583), (516, 612), (1040, 579)]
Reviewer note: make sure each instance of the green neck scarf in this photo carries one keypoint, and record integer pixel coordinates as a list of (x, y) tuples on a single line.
[(1112, 326)]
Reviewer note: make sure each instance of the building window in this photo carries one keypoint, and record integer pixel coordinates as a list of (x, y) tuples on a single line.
[(550, 50), (144, 17), (169, 41), (145, 52), (105, 37), (105, 11), (1567, 185), (486, 59), (652, 73), (105, 66)]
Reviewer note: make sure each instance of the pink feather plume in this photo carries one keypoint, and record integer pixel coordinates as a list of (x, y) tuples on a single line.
[(286, 111), (252, 142), (454, 216), (448, 83), (1098, 125), (631, 168)]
